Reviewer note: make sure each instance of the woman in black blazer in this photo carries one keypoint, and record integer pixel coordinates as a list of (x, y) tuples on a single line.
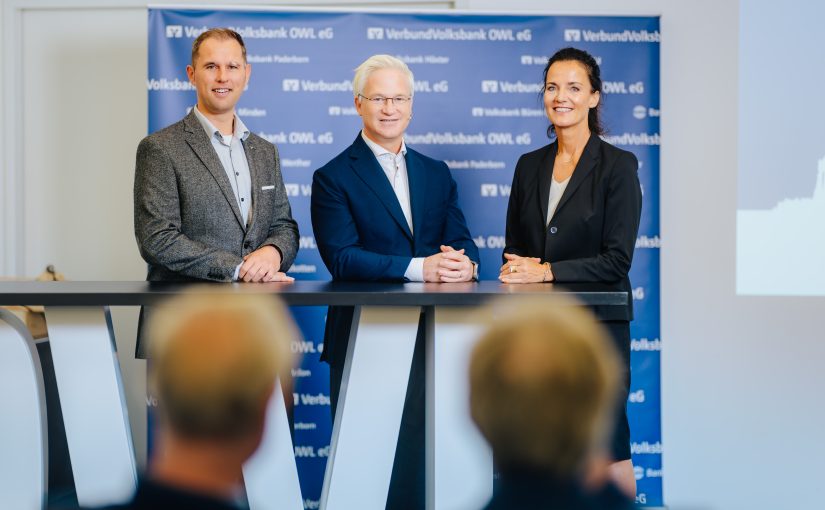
[(574, 212)]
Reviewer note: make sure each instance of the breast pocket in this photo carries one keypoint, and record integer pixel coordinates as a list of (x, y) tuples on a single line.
[(266, 194)]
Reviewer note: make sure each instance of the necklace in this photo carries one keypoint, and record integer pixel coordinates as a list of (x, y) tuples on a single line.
[(568, 160)]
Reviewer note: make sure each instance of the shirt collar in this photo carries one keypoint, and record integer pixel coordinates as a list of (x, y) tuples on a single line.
[(380, 151), (241, 131)]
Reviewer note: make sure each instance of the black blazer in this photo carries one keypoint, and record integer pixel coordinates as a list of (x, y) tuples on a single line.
[(533, 489), (592, 234), (151, 495)]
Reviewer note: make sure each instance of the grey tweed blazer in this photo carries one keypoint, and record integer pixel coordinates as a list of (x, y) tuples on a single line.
[(187, 221)]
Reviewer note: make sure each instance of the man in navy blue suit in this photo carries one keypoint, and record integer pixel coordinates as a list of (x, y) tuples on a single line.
[(382, 211)]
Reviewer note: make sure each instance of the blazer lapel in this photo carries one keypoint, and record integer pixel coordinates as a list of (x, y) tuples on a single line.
[(200, 144), (256, 171), (545, 174), (418, 192), (369, 170), (587, 162)]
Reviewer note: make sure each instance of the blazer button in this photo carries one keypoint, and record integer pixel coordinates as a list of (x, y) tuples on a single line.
[(247, 245), (553, 230)]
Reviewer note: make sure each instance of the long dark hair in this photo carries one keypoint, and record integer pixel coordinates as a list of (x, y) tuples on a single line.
[(593, 74)]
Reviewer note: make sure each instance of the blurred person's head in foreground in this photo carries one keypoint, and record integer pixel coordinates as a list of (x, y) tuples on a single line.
[(215, 363), (543, 382)]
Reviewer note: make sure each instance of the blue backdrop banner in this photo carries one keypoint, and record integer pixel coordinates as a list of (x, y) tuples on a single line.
[(477, 106)]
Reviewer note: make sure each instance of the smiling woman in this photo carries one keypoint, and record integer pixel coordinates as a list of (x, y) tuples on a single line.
[(574, 212)]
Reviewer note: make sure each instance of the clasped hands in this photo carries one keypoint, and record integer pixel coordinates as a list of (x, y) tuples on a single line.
[(449, 266), (524, 270), (262, 265)]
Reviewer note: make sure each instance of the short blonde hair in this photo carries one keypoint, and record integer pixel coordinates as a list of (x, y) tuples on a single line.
[(215, 358), (543, 384), (374, 63)]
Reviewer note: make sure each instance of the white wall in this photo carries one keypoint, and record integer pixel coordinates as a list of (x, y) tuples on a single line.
[(742, 411), (81, 94)]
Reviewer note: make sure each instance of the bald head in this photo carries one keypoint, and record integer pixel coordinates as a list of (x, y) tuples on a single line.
[(215, 361)]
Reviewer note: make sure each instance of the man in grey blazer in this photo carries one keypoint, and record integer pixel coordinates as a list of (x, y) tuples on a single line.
[(210, 203)]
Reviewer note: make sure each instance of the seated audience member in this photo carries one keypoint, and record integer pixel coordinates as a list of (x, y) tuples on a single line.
[(215, 363), (543, 382)]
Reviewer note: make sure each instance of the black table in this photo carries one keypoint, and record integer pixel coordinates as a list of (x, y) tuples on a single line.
[(302, 293), (368, 415)]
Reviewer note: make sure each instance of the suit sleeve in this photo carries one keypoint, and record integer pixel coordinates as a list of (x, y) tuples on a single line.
[(513, 236), (623, 209), (158, 222), (456, 233), (283, 229), (338, 241)]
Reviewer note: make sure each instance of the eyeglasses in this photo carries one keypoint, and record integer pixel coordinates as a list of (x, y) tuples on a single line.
[(381, 100)]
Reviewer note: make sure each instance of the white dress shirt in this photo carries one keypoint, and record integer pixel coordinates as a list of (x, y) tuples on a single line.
[(395, 168)]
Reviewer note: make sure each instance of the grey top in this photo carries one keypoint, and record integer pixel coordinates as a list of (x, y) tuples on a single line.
[(556, 192)]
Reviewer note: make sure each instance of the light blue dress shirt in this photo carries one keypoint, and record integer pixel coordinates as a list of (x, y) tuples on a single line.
[(230, 151), (233, 158)]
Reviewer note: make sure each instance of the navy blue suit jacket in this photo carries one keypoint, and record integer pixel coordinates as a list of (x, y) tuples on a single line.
[(361, 231)]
